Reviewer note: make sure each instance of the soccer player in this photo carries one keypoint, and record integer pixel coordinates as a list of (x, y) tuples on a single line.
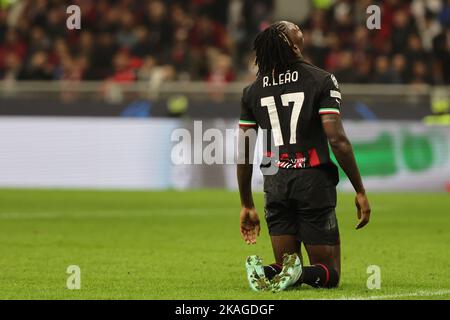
[(299, 105)]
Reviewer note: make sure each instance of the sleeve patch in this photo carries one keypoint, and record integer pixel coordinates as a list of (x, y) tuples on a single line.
[(335, 94), (335, 82)]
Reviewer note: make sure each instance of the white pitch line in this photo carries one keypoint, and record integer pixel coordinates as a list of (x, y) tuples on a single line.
[(422, 293)]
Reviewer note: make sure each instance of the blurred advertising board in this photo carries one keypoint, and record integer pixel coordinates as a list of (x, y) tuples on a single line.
[(121, 153)]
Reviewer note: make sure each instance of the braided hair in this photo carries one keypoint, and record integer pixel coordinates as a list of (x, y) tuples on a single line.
[(273, 50)]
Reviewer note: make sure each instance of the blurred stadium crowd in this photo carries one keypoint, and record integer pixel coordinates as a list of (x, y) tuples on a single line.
[(128, 40)]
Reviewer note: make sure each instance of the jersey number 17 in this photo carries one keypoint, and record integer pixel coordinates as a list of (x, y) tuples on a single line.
[(297, 98)]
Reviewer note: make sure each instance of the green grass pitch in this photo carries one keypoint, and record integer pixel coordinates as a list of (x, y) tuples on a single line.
[(186, 245)]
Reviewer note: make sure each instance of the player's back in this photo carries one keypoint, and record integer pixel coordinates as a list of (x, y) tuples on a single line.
[(288, 105)]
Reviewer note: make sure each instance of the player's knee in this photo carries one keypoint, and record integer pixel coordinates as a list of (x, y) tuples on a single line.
[(321, 276), (333, 281)]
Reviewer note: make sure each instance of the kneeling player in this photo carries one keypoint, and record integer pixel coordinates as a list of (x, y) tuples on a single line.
[(299, 105)]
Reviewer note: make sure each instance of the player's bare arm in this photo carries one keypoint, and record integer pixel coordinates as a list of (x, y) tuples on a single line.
[(342, 149), (249, 219)]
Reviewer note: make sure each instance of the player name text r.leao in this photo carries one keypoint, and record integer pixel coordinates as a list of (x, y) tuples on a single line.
[(282, 78)]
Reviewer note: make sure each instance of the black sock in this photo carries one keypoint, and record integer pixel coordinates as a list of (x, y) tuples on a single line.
[(272, 270), (320, 276)]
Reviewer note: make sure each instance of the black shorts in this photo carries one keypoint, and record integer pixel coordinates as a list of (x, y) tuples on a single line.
[(302, 202)]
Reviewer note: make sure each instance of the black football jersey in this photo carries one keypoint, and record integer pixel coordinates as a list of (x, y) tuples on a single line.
[(289, 106)]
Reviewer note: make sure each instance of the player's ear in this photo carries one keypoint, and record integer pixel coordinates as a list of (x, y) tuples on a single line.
[(298, 46)]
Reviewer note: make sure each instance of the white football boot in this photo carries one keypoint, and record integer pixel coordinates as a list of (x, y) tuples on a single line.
[(255, 274), (289, 275)]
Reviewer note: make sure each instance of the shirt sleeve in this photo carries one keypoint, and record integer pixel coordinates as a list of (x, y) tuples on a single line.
[(247, 118), (330, 96)]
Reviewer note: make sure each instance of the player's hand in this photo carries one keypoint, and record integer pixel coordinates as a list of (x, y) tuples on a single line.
[(249, 225), (363, 209)]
